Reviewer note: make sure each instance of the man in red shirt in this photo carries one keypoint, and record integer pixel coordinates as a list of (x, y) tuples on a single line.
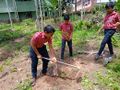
[(66, 30), (38, 50), (111, 22)]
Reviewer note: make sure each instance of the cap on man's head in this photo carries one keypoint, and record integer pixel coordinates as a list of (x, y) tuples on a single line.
[(66, 17), (110, 5)]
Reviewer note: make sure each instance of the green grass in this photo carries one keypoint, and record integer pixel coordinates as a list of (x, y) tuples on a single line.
[(1, 68), (4, 26), (110, 78), (27, 29), (87, 83), (9, 35), (116, 39), (81, 34), (8, 61), (109, 81), (114, 66), (57, 38), (26, 85)]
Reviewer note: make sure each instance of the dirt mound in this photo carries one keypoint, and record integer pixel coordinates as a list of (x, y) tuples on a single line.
[(66, 79)]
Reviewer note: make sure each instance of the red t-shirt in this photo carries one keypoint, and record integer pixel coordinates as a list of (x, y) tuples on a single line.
[(110, 20), (66, 28), (39, 39)]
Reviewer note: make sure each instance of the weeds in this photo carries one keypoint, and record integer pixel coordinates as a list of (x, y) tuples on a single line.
[(83, 31), (26, 85), (1, 68), (87, 84), (108, 81)]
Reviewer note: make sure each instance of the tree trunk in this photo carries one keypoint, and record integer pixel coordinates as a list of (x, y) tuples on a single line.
[(6, 1), (75, 6), (16, 12), (41, 16)]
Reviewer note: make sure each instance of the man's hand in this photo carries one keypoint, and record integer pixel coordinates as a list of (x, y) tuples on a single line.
[(39, 57), (54, 60), (66, 35), (118, 25)]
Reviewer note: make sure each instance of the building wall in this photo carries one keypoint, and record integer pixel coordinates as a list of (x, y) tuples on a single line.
[(4, 17), (24, 8), (25, 15)]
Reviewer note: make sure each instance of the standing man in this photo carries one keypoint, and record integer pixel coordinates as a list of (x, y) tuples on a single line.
[(66, 29)]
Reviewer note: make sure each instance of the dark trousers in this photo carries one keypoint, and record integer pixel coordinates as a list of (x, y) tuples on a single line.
[(63, 47), (44, 53), (107, 40)]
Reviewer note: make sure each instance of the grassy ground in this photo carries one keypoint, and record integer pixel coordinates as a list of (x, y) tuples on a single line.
[(15, 40)]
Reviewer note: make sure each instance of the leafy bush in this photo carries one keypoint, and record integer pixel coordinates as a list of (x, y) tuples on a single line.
[(9, 35), (118, 5), (78, 25)]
